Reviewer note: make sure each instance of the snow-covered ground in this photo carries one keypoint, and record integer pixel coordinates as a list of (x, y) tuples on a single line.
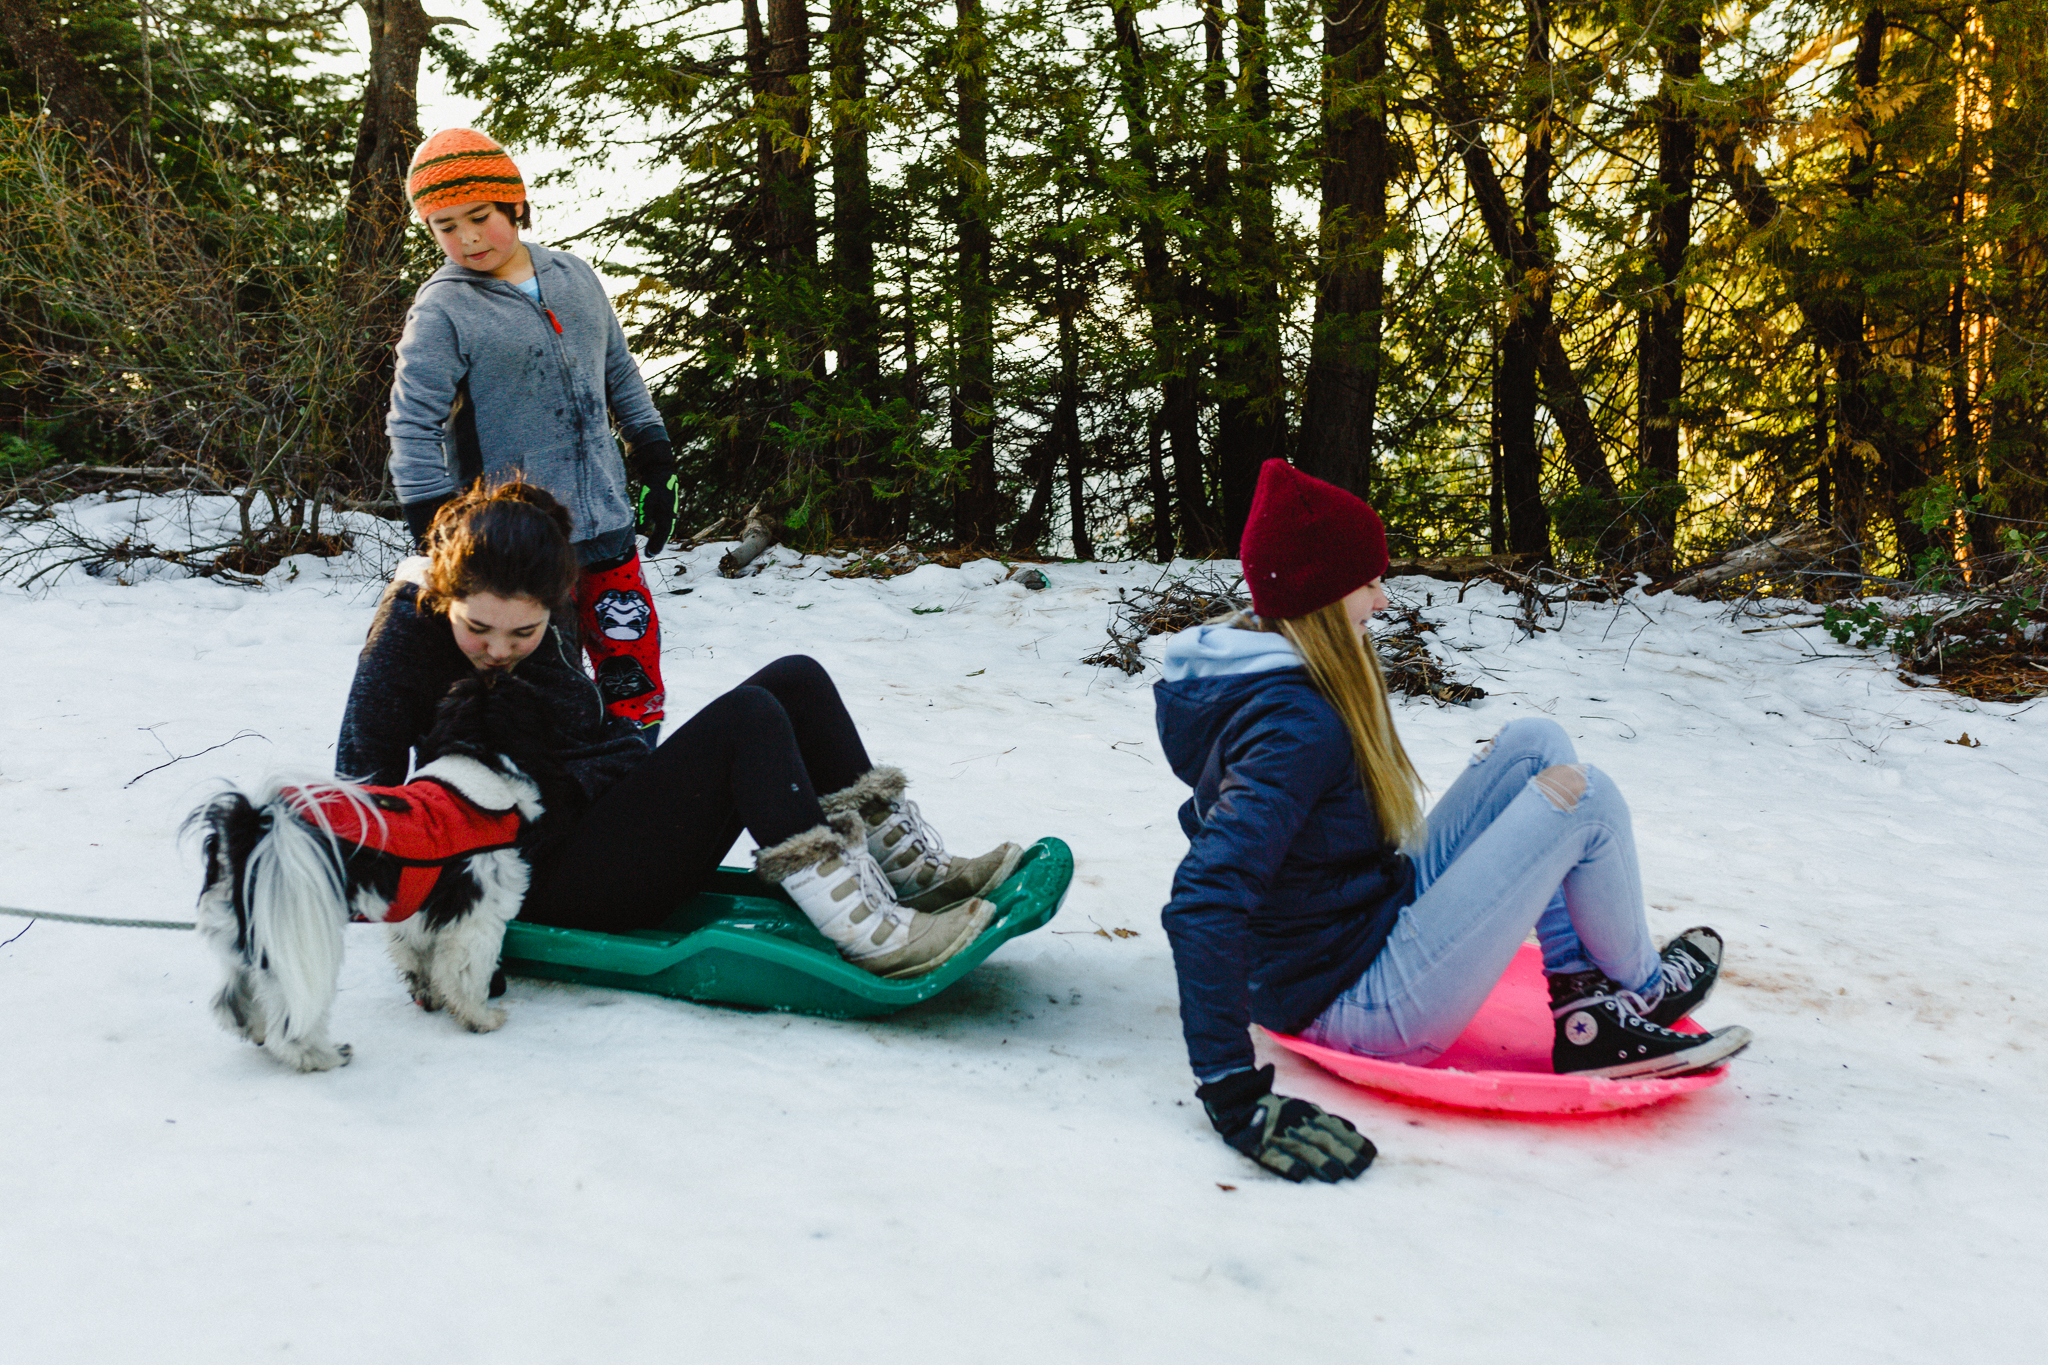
[(1017, 1170)]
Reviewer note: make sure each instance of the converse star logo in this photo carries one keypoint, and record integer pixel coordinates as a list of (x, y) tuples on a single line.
[(1581, 1028)]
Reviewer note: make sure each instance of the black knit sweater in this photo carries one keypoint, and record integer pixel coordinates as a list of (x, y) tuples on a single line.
[(407, 666)]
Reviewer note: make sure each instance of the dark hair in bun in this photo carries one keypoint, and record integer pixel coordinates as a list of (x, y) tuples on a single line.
[(511, 540)]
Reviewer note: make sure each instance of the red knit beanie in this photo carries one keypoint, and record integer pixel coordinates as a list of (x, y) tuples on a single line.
[(1307, 543), (461, 166)]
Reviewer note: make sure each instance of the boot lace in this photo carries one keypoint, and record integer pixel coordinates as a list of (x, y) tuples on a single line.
[(923, 838), (1680, 971), (1630, 1002), (874, 885)]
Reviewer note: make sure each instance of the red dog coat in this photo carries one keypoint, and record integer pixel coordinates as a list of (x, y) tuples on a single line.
[(426, 826)]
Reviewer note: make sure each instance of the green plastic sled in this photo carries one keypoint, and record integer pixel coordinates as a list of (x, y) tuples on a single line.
[(739, 943)]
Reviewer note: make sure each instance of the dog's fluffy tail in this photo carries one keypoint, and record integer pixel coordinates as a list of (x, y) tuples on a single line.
[(273, 907), (296, 907)]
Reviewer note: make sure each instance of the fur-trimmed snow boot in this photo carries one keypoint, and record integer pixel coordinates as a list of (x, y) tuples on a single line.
[(911, 855), (836, 882)]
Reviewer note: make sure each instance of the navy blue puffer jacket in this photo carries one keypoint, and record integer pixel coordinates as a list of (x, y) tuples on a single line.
[(1289, 888)]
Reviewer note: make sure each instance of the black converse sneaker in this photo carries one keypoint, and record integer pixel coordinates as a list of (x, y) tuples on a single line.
[(1601, 1032), (1689, 963)]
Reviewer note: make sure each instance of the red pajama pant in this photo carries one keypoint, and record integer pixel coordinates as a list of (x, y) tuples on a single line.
[(622, 638)]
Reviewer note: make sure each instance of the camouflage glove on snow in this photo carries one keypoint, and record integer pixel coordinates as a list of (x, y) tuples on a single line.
[(1289, 1137)]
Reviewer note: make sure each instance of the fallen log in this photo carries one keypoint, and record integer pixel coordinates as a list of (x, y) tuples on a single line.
[(755, 536), (692, 542), (1786, 551), (1459, 568)]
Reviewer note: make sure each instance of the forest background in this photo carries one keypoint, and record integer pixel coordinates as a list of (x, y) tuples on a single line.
[(1617, 284)]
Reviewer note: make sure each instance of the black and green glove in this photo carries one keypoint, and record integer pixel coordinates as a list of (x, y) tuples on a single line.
[(653, 464), (1289, 1137)]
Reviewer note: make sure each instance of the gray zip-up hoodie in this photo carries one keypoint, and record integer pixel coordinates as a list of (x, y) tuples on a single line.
[(488, 384)]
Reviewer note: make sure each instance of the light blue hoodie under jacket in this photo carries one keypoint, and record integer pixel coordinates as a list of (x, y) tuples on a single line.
[(1216, 650), (492, 381), (1289, 887)]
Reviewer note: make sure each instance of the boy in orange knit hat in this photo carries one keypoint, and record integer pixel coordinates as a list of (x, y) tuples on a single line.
[(513, 363)]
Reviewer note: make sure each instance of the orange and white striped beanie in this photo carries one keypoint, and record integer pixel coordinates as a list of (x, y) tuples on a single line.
[(461, 166)]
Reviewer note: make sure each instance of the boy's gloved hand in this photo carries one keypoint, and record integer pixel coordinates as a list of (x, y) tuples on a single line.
[(1290, 1137), (653, 463), (420, 515)]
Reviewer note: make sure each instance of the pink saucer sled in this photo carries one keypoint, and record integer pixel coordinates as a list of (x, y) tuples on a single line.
[(1501, 1062)]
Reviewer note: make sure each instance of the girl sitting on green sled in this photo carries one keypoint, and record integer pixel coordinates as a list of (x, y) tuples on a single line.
[(630, 833)]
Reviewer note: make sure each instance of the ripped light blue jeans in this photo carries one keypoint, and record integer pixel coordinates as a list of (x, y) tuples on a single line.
[(1527, 836)]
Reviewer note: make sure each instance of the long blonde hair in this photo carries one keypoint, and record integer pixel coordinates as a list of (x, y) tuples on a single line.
[(1348, 675)]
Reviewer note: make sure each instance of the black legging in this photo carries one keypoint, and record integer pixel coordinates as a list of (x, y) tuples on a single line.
[(755, 759)]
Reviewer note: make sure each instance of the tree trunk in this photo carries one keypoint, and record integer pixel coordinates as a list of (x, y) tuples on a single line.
[(1030, 528), (1660, 359), (1164, 294), (1212, 317), (1857, 414), (2016, 63), (1496, 487), (1251, 418), (375, 220), (1521, 459), (1962, 433), (975, 506), (1155, 482), (1066, 426), (1342, 393), (1970, 322), (1897, 458), (792, 181), (1823, 480), (791, 201), (741, 446), (1533, 323), (1526, 253), (378, 211), (1061, 447), (858, 342), (780, 224), (1514, 376), (1831, 310)]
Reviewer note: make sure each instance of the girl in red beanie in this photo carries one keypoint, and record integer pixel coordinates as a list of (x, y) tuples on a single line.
[(1317, 898)]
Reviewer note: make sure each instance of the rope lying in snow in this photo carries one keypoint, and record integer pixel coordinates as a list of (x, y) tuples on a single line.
[(99, 919)]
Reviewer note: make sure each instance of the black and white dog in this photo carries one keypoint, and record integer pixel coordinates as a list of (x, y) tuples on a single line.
[(436, 861)]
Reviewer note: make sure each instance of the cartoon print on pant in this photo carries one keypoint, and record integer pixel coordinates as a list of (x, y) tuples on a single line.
[(621, 679), (623, 638), (622, 615)]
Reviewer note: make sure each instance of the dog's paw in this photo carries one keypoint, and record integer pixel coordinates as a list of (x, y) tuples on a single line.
[(421, 989), (483, 1020), (238, 1010), (312, 1056)]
